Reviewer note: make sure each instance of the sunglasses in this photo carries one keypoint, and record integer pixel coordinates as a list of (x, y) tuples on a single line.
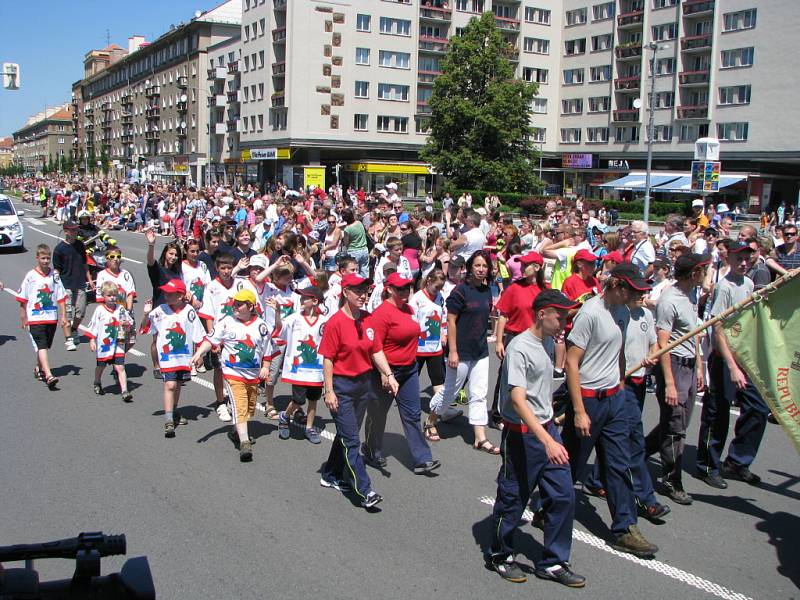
[(114, 256), (239, 303), (358, 291), (789, 233)]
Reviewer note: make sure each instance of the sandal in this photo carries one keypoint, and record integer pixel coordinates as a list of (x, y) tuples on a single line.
[(486, 446), (51, 382), (431, 433), (38, 374), (271, 413), (98, 389)]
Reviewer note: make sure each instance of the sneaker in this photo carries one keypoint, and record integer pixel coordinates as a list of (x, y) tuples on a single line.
[(561, 574), (261, 406), (538, 519), (558, 374), (98, 389), (597, 492), (450, 414), (509, 570), (461, 397), (179, 419), (127, 396), (336, 484), (201, 368), (169, 430), (715, 480), (223, 413), (246, 451), (677, 494), (371, 500), (283, 426), (312, 435), (427, 467), (194, 370), (157, 374), (299, 417), (654, 513), (771, 419), (69, 344), (740, 472), (633, 542), (378, 462)]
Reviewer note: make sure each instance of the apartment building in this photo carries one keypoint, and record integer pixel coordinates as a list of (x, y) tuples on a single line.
[(333, 82), (45, 139), (224, 98), (6, 152), (148, 107)]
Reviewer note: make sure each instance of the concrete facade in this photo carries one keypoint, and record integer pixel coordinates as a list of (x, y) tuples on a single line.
[(46, 137)]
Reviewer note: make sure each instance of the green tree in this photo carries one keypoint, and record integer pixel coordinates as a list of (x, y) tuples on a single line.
[(480, 132)]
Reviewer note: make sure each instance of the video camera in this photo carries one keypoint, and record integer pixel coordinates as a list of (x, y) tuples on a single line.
[(133, 582)]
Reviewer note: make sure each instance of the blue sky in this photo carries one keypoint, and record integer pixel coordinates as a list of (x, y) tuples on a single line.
[(48, 38)]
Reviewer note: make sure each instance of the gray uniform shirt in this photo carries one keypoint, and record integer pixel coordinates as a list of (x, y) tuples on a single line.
[(676, 312), (527, 365), (640, 335), (600, 332), (728, 292)]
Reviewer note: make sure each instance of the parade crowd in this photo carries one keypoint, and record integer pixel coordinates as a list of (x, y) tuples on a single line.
[(347, 296)]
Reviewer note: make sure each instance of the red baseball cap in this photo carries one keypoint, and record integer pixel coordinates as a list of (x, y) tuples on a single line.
[(352, 280), (616, 256), (173, 286), (531, 258), (397, 280), (584, 254)]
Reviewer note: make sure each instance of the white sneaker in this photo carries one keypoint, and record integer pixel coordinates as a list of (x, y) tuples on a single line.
[(223, 413), (201, 369), (450, 414), (70, 345), (194, 370)]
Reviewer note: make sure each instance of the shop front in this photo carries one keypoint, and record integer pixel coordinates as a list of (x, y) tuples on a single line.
[(413, 180)]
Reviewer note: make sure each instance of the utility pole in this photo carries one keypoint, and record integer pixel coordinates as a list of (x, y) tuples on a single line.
[(650, 107)]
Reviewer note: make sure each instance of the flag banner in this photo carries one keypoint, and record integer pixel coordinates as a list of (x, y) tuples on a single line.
[(765, 337)]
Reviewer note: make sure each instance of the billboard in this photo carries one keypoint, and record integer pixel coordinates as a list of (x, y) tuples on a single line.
[(705, 175), (576, 161)]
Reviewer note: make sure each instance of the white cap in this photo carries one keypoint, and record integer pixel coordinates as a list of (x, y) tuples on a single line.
[(722, 207), (698, 202), (259, 260)]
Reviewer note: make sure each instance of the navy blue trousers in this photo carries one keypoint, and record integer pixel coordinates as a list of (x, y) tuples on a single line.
[(716, 416), (609, 431), (524, 468), (345, 460), (410, 414)]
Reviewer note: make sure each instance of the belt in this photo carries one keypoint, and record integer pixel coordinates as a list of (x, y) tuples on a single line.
[(635, 380), (521, 427), (685, 362), (586, 393)]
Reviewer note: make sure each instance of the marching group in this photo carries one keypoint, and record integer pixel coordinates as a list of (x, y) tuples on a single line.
[(347, 297)]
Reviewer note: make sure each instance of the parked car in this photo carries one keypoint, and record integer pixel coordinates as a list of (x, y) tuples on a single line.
[(12, 234)]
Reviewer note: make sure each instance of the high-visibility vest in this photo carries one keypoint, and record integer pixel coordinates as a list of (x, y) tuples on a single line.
[(560, 275)]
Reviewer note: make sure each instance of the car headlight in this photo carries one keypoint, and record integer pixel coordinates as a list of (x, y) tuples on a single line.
[(15, 228)]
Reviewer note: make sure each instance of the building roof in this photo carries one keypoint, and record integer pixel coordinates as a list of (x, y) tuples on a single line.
[(111, 48), (6, 142)]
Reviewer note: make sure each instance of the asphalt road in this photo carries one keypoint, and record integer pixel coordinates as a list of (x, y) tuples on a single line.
[(214, 528)]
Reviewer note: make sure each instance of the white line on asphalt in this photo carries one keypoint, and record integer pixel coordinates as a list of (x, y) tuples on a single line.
[(654, 565), (136, 352), (133, 260), (34, 221)]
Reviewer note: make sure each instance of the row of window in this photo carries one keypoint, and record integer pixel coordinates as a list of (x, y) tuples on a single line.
[(600, 12), (388, 25), (384, 123), (726, 132), (386, 91), (386, 58), (736, 95)]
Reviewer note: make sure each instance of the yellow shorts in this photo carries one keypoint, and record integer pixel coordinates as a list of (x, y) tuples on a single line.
[(243, 399)]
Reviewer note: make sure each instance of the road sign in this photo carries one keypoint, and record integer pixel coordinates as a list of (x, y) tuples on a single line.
[(705, 175), (10, 76)]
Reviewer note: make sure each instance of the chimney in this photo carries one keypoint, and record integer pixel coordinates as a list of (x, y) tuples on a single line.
[(134, 43)]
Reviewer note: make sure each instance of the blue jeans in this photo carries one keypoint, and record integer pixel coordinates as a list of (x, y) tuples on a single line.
[(361, 256)]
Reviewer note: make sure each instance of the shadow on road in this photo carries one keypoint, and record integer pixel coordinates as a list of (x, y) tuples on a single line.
[(63, 370), (524, 542), (7, 338)]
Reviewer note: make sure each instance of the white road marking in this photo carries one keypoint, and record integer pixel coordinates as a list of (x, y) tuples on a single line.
[(654, 565), (124, 258), (34, 221), (136, 352)]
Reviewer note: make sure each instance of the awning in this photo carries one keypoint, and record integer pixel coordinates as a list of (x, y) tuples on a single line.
[(637, 181), (683, 185)]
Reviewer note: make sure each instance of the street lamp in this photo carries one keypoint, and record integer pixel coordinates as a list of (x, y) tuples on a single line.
[(650, 106)]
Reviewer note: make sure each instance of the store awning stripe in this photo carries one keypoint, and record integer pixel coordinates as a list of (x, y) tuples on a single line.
[(637, 181)]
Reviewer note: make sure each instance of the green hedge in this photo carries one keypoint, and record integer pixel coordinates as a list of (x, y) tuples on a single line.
[(660, 209), (507, 198)]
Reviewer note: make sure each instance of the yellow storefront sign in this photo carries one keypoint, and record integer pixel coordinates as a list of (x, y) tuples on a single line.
[(281, 154), (314, 177), (388, 168)]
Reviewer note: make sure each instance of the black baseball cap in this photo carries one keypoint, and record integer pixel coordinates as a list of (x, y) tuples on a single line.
[(554, 299), (687, 263), (630, 274), (311, 292), (457, 261), (736, 246)]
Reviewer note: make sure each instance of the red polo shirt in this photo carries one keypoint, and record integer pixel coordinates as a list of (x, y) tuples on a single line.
[(346, 344), (395, 332), (516, 305)]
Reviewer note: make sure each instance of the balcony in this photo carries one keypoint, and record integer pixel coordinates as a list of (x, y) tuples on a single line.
[(629, 51), (233, 125), (182, 82), (433, 13), (687, 78), (217, 73), (152, 135), (152, 112), (626, 115), (279, 68), (89, 126), (234, 97), (217, 101), (692, 8), (106, 125), (126, 138), (630, 20), (696, 43), (88, 110), (220, 129), (628, 84), (279, 35), (105, 106), (699, 111), (432, 44), (181, 107), (506, 24), (423, 108), (233, 67), (278, 99), (127, 118), (180, 132), (152, 91), (279, 4), (427, 77), (125, 95)]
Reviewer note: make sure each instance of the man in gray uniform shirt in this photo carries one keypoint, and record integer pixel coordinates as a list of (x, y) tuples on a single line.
[(679, 375)]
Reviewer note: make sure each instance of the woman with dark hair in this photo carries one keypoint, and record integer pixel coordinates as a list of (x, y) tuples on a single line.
[(468, 309), (160, 272), (355, 240), (293, 249), (431, 252), (412, 246), (243, 248)]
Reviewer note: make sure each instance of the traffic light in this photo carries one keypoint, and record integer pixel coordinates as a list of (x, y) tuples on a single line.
[(10, 76)]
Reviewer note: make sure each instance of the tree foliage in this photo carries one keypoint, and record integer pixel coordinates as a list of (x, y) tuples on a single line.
[(480, 132)]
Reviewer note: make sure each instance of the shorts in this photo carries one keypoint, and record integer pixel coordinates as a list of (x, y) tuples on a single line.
[(176, 375), (75, 305), (275, 367), (301, 393), (435, 368), (243, 399), (42, 335), (117, 360), (211, 360)]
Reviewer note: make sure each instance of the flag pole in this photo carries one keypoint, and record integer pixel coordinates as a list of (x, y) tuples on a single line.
[(754, 297)]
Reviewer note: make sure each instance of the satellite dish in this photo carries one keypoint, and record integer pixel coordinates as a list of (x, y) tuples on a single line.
[(198, 14), (183, 124), (184, 98), (637, 103), (147, 82)]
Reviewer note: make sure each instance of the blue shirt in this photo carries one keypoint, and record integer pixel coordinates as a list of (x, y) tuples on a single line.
[(240, 216)]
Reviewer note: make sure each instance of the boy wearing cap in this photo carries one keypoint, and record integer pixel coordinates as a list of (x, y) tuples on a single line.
[(301, 335), (247, 350), (532, 452), (730, 384), (176, 326), (69, 260), (679, 374)]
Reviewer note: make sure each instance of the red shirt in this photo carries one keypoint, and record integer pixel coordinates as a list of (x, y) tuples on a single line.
[(516, 305), (395, 331), (345, 343), (579, 290)]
